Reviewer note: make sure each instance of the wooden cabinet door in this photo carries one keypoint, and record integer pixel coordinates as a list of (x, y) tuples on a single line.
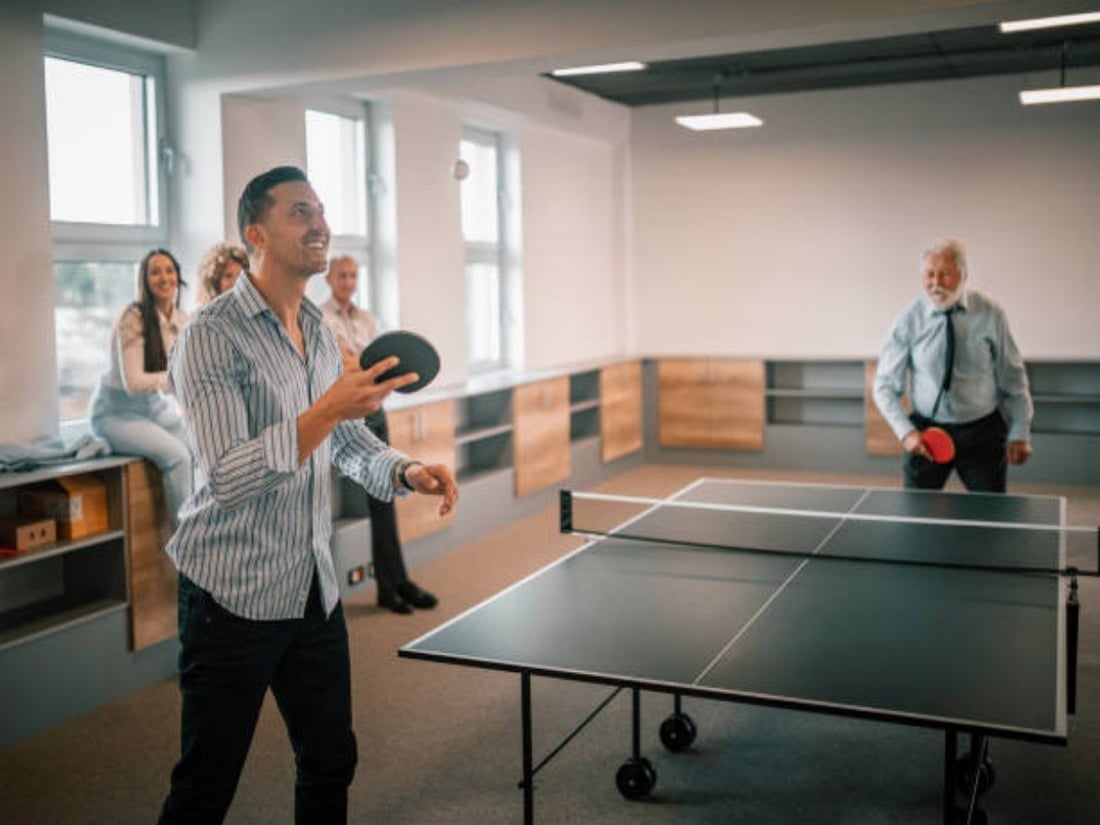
[(620, 410), (540, 435), (737, 404), (153, 597), (684, 388), (427, 434), (878, 436)]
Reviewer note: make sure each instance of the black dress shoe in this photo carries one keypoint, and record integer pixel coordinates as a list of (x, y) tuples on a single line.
[(393, 601), (410, 593)]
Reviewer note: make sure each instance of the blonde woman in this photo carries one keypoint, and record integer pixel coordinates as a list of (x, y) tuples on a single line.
[(220, 267)]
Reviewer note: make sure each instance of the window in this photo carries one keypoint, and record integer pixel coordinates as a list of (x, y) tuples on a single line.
[(101, 144), (105, 133), (482, 231), (337, 162)]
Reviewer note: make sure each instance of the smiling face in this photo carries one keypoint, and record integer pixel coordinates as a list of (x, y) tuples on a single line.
[(292, 235), (942, 279), (161, 280), (230, 272), (342, 277)]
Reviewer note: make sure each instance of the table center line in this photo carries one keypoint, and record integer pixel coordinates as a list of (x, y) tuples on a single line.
[(760, 611)]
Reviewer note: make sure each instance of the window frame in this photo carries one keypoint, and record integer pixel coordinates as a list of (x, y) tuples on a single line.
[(78, 242), (73, 240), (487, 252), (360, 247)]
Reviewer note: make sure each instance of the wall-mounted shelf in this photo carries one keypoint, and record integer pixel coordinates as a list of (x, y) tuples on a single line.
[(1066, 396), (828, 393)]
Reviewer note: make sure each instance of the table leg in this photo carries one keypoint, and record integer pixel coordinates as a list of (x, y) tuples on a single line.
[(950, 755), (528, 772), (637, 722)]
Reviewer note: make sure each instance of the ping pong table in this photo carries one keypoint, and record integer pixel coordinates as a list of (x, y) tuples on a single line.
[(932, 609)]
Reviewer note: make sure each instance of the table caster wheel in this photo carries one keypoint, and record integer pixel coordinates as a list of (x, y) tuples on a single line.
[(677, 732), (635, 778)]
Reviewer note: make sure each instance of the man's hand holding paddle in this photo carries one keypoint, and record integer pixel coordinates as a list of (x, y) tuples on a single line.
[(353, 396)]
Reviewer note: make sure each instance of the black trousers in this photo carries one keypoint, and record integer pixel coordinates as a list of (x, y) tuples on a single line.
[(227, 664), (981, 456), (385, 543)]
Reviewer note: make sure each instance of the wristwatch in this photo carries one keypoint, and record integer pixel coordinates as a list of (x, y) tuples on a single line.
[(403, 471)]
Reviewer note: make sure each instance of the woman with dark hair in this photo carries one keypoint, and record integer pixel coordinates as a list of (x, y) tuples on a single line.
[(130, 410)]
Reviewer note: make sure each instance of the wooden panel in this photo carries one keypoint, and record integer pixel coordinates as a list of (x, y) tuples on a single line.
[(427, 434), (620, 410), (684, 389), (540, 417), (153, 593), (737, 404), (878, 436)]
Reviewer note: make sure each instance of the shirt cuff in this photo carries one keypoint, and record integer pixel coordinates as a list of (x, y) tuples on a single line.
[(280, 446)]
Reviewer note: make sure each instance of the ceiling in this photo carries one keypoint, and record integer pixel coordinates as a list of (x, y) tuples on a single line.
[(938, 55)]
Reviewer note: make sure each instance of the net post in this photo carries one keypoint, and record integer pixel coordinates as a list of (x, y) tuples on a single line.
[(1073, 609), (565, 511)]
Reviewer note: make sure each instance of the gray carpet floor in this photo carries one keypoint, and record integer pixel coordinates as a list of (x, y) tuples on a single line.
[(440, 744)]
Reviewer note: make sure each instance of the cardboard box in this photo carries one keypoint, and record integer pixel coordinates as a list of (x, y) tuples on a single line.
[(78, 504), (27, 532)]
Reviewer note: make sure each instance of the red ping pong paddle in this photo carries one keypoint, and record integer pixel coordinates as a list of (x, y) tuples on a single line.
[(939, 443)]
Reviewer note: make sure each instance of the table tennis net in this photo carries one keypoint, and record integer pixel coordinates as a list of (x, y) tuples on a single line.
[(921, 540)]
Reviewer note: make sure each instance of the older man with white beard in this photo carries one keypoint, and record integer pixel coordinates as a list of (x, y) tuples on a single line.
[(965, 374)]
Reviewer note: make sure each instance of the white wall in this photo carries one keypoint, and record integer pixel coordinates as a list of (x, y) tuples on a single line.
[(28, 379), (802, 238), (574, 277), (571, 202)]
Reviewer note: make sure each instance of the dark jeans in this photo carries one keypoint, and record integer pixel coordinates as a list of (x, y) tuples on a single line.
[(981, 456), (227, 663), (385, 544)]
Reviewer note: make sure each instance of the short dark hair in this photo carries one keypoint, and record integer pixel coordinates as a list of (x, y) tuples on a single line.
[(255, 199)]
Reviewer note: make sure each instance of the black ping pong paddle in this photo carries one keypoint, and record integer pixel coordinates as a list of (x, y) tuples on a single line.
[(416, 354)]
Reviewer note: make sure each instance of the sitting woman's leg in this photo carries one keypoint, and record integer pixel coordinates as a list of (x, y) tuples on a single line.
[(134, 435)]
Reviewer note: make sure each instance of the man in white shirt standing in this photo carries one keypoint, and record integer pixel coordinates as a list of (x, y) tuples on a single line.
[(268, 409), (353, 329), (953, 347)]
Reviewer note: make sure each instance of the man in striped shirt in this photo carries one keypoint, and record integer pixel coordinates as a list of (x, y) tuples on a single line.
[(267, 410)]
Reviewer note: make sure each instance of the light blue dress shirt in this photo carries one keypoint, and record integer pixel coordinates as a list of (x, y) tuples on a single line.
[(258, 523), (989, 371)]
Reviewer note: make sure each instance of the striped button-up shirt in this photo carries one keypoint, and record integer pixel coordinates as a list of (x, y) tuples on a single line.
[(989, 372), (259, 523)]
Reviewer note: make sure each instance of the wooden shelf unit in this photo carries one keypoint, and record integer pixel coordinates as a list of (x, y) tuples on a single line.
[(47, 589), (541, 420), (715, 403)]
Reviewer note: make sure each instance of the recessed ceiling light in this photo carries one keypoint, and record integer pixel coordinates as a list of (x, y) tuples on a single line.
[(603, 68), (727, 120), (1010, 26), (1060, 94)]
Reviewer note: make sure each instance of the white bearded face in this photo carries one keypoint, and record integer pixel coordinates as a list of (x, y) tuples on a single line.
[(943, 282)]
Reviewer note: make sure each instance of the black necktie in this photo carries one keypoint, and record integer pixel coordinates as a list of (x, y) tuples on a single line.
[(949, 349), (948, 359)]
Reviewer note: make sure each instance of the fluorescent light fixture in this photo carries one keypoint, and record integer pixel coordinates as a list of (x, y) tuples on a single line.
[(729, 120), (604, 68), (1010, 26), (1061, 94)]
